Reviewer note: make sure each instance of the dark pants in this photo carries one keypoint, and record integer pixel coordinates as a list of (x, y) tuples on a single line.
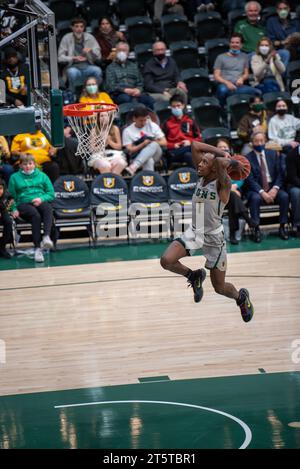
[(255, 201), (120, 98), (236, 209), (181, 155), (51, 168), (6, 221), (6, 170), (35, 216)]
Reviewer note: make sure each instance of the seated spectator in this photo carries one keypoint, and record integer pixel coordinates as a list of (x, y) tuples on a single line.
[(108, 37), (283, 127), (123, 79), (255, 119), (14, 76), (32, 192), (167, 7), (264, 184), (281, 26), (79, 51), (235, 206), (161, 75), (91, 93), (231, 71), (180, 131), (267, 67), (293, 185), (68, 161), (6, 169), (251, 28), (5, 220), (36, 144), (143, 140), (114, 160)]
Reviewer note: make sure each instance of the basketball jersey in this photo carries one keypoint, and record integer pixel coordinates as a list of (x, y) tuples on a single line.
[(207, 208)]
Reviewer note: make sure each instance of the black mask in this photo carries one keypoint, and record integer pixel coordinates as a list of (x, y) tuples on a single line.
[(160, 57), (281, 112), (12, 66)]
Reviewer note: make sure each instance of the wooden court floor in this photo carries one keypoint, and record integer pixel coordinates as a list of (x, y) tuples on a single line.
[(102, 325)]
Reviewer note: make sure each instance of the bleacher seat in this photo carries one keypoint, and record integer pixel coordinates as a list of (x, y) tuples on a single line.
[(174, 28), (163, 111), (143, 52), (197, 82), (237, 106), (211, 135), (64, 10), (109, 202), (270, 99), (139, 30), (185, 54), (209, 25), (72, 205), (207, 112), (149, 209), (127, 8), (215, 47), (93, 10)]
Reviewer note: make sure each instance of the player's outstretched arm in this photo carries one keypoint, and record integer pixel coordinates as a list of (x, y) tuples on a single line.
[(198, 148)]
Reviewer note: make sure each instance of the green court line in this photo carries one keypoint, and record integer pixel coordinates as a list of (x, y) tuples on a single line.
[(128, 252)]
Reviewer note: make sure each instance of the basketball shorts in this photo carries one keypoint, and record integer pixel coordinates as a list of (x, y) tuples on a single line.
[(213, 247)]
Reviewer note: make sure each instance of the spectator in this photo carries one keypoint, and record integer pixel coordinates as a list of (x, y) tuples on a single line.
[(5, 219), (123, 79), (37, 145), (264, 184), (255, 119), (281, 26), (250, 28), (114, 160), (180, 131), (161, 75), (143, 140), (91, 93), (267, 67), (293, 185), (6, 169), (32, 191), (79, 50), (14, 76), (167, 7), (108, 37), (69, 162), (283, 127), (236, 207), (231, 71)]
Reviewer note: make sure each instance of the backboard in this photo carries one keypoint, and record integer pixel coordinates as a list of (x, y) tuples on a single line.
[(45, 98)]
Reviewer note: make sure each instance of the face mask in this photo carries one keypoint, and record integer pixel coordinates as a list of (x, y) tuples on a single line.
[(234, 52), (28, 172), (92, 89), (257, 107), (281, 111), (264, 50), (160, 56), (283, 14), (176, 111), (121, 56), (259, 148)]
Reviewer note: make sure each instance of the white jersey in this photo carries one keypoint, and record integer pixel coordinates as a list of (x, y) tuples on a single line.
[(207, 208)]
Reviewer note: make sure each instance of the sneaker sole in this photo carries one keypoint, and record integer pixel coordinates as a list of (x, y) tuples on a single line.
[(248, 317), (198, 296), (47, 245)]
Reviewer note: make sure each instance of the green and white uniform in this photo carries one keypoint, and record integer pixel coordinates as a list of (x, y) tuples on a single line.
[(206, 230)]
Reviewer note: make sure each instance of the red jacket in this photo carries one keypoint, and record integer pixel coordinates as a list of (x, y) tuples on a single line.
[(177, 130)]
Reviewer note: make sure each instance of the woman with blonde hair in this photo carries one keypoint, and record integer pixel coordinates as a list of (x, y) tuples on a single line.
[(267, 67), (92, 94)]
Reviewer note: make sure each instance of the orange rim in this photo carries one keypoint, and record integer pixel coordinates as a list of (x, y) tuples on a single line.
[(79, 109)]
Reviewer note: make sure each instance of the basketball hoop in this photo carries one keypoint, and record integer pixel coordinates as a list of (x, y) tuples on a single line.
[(91, 123)]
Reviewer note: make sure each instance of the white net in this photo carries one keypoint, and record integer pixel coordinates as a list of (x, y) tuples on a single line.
[(92, 130)]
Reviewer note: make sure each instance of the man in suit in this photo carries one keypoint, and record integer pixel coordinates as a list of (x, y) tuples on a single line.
[(264, 184)]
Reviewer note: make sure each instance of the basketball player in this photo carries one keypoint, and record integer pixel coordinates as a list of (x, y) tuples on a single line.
[(206, 230)]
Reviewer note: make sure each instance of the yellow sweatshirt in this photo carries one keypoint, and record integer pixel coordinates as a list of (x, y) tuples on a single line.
[(36, 144)]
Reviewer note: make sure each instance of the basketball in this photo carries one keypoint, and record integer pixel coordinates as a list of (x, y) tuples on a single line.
[(241, 172)]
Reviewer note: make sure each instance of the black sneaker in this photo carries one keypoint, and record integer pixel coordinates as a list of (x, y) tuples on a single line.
[(245, 305), (196, 279)]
